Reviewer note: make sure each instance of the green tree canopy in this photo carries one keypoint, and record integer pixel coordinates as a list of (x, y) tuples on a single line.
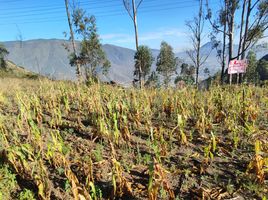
[(186, 75), (91, 54), (252, 75), (153, 80), (167, 62), (262, 68), (3, 53), (143, 59)]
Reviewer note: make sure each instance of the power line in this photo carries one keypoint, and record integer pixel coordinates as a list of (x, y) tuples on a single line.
[(92, 1), (81, 3), (100, 15), (53, 11), (50, 6)]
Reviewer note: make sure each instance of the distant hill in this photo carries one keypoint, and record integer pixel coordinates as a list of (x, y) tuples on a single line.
[(50, 58), (14, 71)]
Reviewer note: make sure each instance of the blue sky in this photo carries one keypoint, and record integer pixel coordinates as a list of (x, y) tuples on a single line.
[(157, 19)]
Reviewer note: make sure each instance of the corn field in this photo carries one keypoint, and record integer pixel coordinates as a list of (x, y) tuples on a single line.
[(63, 141)]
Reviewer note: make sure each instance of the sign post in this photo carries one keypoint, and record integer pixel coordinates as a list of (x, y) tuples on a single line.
[(237, 67)]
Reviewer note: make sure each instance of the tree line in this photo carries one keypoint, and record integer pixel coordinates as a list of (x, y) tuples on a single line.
[(90, 56), (251, 26)]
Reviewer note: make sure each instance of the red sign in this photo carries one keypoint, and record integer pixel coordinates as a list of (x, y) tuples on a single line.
[(237, 66)]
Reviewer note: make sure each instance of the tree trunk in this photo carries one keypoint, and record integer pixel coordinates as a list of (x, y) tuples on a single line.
[(78, 69), (246, 30), (230, 50), (135, 23), (197, 62), (199, 41), (231, 38), (241, 29), (243, 51), (136, 38), (231, 35), (223, 53)]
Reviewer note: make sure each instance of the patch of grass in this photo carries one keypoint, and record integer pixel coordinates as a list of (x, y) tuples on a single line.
[(98, 153), (8, 183), (26, 195)]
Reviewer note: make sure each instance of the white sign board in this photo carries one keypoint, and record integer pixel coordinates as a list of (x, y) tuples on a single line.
[(237, 66)]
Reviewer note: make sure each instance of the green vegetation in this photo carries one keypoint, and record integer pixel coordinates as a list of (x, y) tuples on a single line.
[(8, 182), (252, 76), (143, 60), (3, 53), (26, 195), (13, 71), (186, 75), (167, 62), (91, 55), (153, 80), (59, 140), (262, 68)]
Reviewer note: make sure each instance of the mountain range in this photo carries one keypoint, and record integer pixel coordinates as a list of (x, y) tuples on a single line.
[(49, 57)]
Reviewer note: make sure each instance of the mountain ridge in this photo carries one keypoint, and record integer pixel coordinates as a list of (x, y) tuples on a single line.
[(49, 57)]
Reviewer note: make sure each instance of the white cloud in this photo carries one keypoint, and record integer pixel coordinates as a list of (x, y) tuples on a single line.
[(162, 34), (113, 36), (117, 38), (174, 36)]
